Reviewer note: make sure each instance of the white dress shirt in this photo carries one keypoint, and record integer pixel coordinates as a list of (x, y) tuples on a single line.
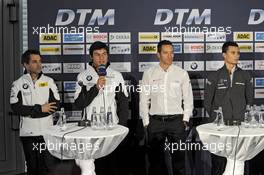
[(168, 90)]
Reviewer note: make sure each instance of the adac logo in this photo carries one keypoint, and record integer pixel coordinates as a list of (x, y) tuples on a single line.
[(89, 78), (149, 48), (243, 36), (43, 84), (50, 38), (25, 86)]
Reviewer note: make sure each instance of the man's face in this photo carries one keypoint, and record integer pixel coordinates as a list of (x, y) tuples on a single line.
[(100, 57), (34, 65), (232, 55), (166, 55)]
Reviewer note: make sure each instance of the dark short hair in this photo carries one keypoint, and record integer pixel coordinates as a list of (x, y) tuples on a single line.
[(97, 45), (26, 55), (163, 42), (227, 44)]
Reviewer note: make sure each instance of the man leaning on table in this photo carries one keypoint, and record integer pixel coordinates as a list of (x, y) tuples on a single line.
[(34, 97), (230, 87), (166, 104), (94, 90)]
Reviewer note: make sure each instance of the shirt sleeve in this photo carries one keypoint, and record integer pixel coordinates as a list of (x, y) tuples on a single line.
[(209, 93), (144, 101), (187, 97)]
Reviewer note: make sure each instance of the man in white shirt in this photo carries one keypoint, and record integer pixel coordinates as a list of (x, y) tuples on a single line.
[(166, 104)]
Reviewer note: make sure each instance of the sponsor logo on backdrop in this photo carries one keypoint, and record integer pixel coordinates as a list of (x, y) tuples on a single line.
[(194, 65), (73, 49), (73, 67), (177, 48), (198, 112), (148, 36), (92, 37), (97, 17), (73, 38), (121, 66), (147, 48), (69, 86), (173, 37), (120, 37), (243, 36), (259, 93), (198, 94), (259, 82), (68, 98), (51, 68), (217, 36), (50, 49), (142, 66), (259, 47), (197, 83), (120, 48), (245, 47), (214, 47), (245, 64), (259, 36), (259, 64), (59, 85), (49, 38), (214, 65), (193, 48), (193, 37)]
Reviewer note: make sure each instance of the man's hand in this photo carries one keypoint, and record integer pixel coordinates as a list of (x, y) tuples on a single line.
[(100, 82), (49, 107)]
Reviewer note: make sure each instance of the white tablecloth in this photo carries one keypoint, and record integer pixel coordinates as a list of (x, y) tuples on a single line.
[(223, 143), (84, 145)]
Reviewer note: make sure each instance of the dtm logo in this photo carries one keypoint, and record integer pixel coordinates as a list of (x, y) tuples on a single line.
[(165, 16), (256, 16), (67, 16)]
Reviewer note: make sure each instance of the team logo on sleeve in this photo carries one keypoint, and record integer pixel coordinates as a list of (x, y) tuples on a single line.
[(89, 78), (25, 86)]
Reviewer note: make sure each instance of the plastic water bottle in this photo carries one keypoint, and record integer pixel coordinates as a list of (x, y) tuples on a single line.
[(94, 119), (247, 117), (102, 118), (253, 121), (219, 121), (109, 118), (63, 126)]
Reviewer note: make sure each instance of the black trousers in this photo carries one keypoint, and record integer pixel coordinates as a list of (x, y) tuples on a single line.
[(162, 159), (218, 164), (38, 162)]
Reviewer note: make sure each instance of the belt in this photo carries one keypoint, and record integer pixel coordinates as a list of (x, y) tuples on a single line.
[(167, 117)]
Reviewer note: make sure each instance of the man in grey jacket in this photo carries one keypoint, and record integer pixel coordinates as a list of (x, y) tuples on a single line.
[(230, 87)]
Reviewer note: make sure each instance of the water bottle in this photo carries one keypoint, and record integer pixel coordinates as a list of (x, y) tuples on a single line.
[(253, 121), (63, 126), (102, 118), (94, 119), (109, 118), (219, 121), (247, 117)]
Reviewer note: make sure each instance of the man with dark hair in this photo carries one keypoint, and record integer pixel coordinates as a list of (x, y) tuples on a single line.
[(166, 104), (230, 87), (34, 97), (108, 91)]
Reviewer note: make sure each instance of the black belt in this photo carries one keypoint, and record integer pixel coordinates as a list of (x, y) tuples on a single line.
[(167, 117)]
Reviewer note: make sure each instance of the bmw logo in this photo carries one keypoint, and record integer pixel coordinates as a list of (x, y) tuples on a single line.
[(25, 86), (194, 66), (89, 78)]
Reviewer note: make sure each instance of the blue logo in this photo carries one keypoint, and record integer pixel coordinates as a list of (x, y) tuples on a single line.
[(69, 86), (259, 82), (259, 36), (73, 38), (177, 48)]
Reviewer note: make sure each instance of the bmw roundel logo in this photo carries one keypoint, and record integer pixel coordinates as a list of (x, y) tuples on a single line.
[(89, 78), (194, 66), (25, 86)]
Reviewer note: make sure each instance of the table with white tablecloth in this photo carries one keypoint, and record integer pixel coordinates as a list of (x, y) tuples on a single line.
[(226, 143), (83, 144)]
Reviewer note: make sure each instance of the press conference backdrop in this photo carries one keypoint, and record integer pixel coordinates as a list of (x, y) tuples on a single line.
[(64, 30)]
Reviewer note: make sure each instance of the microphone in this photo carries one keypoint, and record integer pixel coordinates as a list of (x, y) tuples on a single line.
[(102, 70)]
